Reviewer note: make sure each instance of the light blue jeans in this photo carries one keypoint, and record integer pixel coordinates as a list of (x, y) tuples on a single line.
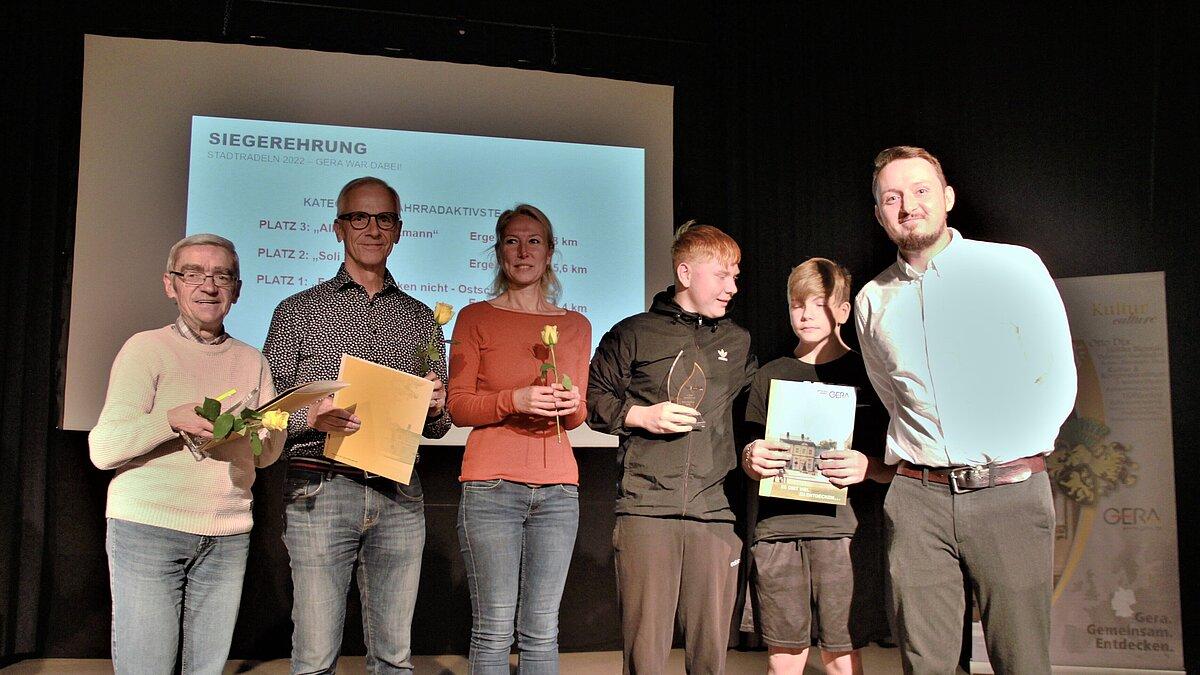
[(333, 523), (174, 594), (516, 542)]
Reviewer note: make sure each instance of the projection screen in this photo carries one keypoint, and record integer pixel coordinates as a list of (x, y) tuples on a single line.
[(254, 142)]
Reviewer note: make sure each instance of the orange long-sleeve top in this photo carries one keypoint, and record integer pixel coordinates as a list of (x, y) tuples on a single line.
[(496, 352)]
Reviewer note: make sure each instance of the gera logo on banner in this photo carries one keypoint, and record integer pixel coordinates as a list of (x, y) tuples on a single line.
[(1131, 516), (1116, 592)]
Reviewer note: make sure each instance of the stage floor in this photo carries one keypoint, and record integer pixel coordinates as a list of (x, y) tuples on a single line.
[(876, 660)]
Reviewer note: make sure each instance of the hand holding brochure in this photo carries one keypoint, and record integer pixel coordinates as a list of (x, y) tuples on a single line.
[(289, 401), (392, 406), (810, 418)]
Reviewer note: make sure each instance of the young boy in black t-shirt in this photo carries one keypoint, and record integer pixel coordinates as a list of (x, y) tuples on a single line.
[(808, 589)]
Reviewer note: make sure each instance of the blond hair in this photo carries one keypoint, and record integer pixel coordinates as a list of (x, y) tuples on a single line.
[(551, 286), (821, 278)]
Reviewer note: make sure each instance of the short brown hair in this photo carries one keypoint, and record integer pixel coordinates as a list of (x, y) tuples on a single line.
[(819, 277), (903, 152), (551, 286), (697, 242)]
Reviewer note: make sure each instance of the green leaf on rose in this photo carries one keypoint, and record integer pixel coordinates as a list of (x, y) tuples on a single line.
[(238, 425), (545, 367), (210, 409), (566, 382), (255, 444), (222, 426), (251, 414)]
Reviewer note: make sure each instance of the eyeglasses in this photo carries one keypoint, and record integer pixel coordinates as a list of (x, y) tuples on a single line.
[(360, 219), (196, 278)]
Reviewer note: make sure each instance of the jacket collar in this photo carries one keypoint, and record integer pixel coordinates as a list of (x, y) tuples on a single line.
[(664, 303)]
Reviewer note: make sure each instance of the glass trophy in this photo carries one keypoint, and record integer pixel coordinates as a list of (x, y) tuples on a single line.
[(686, 386)]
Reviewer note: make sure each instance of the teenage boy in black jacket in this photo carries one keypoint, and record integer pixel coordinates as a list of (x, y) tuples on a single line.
[(676, 549)]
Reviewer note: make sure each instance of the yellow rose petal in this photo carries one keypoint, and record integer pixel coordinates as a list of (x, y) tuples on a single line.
[(275, 420), (442, 313)]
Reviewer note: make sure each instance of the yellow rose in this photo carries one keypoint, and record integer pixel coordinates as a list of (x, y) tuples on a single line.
[(442, 313), (550, 335), (275, 420)]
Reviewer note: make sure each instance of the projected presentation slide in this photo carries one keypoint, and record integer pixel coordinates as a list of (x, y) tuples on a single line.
[(271, 187), (254, 143)]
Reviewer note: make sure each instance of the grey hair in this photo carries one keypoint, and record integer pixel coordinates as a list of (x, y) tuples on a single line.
[(360, 182), (204, 239)]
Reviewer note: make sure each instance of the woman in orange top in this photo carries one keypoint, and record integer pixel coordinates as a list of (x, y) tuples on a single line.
[(520, 500)]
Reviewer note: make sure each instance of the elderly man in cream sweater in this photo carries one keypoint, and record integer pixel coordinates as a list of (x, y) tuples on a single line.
[(178, 522)]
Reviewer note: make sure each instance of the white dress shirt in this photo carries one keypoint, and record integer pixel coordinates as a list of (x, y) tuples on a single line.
[(972, 358)]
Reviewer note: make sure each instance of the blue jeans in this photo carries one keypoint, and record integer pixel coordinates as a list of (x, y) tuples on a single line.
[(516, 543), (334, 522), (174, 594)]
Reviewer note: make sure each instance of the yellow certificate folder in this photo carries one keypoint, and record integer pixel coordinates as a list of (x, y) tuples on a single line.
[(392, 406)]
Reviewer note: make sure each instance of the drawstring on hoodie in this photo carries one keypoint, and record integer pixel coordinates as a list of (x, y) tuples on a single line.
[(680, 318)]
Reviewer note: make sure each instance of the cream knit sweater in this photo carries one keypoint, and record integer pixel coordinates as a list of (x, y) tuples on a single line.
[(158, 481)]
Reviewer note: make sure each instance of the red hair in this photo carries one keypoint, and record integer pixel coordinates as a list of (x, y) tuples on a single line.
[(702, 242)]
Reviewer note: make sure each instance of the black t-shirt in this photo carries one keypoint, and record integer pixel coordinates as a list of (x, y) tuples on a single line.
[(790, 518)]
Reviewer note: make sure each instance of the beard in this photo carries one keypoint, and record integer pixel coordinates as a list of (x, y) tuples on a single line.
[(916, 241)]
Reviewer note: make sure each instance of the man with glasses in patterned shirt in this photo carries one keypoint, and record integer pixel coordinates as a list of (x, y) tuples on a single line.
[(338, 516)]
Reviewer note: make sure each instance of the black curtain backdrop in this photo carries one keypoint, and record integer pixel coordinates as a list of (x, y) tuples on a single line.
[(41, 89), (1070, 129)]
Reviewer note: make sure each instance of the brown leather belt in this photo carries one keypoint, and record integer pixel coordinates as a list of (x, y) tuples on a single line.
[(968, 478)]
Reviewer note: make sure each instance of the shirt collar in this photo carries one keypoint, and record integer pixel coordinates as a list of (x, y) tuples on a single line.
[(344, 280), (187, 333), (938, 264)]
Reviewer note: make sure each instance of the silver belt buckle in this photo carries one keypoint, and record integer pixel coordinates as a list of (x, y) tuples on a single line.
[(972, 477)]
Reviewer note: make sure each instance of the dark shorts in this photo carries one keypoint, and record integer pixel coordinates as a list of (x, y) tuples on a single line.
[(805, 588)]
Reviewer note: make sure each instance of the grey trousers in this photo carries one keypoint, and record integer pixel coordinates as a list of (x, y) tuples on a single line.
[(666, 565), (1001, 540)]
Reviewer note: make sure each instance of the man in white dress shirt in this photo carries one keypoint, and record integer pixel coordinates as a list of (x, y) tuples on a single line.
[(967, 344)]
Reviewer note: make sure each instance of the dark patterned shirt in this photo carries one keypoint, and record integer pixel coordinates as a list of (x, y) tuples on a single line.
[(313, 328)]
